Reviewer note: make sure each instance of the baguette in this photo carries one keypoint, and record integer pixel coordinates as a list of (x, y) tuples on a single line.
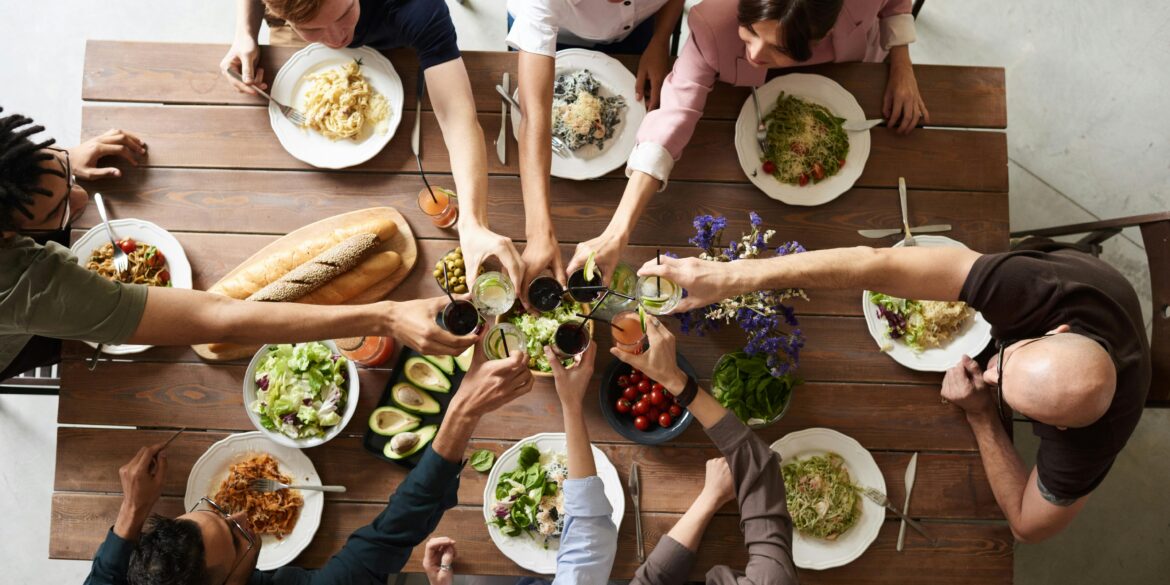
[(262, 271), (317, 272)]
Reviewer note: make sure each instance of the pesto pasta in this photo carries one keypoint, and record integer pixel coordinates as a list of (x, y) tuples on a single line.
[(822, 499), (805, 142)]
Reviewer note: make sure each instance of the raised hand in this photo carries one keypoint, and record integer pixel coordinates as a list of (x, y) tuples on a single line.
[(439, 559), (659, 362), (572, 383), (413, 323), (705, 282)]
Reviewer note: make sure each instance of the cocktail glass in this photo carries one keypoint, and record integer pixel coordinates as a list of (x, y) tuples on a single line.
[(493, 293)]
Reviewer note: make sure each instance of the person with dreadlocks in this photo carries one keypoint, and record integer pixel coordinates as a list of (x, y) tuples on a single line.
[(46, 295)]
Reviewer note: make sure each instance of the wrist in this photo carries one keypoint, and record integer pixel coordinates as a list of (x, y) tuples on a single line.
[(708, 503), (128, 525), (386, 313), (675, 382), (900, 58), (980, 416)]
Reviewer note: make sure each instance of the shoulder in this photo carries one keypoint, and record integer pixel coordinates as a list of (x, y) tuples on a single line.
[(712, 19)]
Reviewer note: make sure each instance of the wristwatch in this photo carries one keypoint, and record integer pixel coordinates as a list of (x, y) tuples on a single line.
[(688, 393)]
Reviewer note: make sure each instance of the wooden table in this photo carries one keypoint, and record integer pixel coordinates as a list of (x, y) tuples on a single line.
[(218, 179)]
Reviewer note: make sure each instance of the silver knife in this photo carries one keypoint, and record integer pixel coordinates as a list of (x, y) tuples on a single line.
[(911, 469), (501, 142), (636, 496), (925, 229), (883, 501), (861, 125)]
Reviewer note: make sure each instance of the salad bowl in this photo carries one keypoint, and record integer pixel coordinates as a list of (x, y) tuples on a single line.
[(530, 333)]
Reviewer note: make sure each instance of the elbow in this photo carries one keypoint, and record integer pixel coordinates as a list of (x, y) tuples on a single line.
[(1032, 534)]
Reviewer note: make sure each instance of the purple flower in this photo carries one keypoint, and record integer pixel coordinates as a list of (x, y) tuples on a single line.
[(755, 219)]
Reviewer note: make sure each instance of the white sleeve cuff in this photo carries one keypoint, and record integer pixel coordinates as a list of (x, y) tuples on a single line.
[(532, 37), (652, 159), (897, 30), (585, 497)]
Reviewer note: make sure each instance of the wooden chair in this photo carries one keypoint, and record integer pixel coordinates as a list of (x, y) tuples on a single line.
[(43, 381), (1155, 229)]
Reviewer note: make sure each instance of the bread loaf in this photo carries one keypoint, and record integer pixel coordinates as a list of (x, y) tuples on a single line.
[(371, 271), (317, 272)]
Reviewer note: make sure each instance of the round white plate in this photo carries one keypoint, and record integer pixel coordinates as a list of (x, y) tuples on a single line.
[(971, 340), (525, 551), (812, 88), (138, 230), (590, 162), (817, 553), (289, 88), (351, 400), (212, 468)]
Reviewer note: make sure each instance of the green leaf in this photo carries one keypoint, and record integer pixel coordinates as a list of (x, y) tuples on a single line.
[(529, 455), (482, 460)]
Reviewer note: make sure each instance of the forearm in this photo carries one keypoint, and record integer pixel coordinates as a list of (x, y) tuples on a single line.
[(455, 433), (689, 529), (665, 19), (580, 452), (900, 57), (640, 188), (249, 13), (128, 525), (454, 108), (704, 407), (536, 79), (1005, 471)]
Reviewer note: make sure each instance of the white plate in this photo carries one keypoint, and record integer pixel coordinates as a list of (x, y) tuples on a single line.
[(812, 88), (590, 162), (289, 88), (212, 468), (817, 553), (971, 340), (525, 551), (351, 400), (138, 230)]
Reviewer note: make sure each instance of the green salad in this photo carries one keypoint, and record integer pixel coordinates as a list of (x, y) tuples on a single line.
[(539, 330), (821, 497), (744, 385), (300, 389), (529, 499)]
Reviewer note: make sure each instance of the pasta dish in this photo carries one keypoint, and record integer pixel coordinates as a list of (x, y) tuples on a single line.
[(147, 264), (268, 513), (580, 115), (805, 142), (821, 497), (921, 324), (340, 102)]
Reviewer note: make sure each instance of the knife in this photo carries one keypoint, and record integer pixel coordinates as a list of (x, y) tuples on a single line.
[(863, 125), (635, 496), (501, 142), (911, 469), (925, 229)]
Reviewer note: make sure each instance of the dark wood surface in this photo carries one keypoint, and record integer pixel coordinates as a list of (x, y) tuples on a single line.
[(219, 181)]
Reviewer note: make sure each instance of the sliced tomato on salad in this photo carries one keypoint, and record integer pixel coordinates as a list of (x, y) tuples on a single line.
[(818, 171)]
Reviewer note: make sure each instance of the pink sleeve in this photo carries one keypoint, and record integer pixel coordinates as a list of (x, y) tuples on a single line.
[(895, 7)]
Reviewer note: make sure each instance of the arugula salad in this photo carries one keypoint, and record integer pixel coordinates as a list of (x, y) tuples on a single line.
[(539, 330), (529, 499), (300, 389)]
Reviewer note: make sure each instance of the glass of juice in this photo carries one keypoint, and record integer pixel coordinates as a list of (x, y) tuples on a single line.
[(658, 295), (493, 293), (545, 293), (502, 339), (570, 340), (585, 290), (628, 333), (440, 204), (459, 317)]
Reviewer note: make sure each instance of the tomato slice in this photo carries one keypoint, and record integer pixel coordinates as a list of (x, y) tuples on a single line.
[(818, 171), (803, 179)]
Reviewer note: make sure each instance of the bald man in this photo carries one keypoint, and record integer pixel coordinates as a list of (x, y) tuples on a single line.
[(1072, 353)]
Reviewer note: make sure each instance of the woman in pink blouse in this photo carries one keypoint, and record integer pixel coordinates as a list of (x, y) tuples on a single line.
[(737, 42)]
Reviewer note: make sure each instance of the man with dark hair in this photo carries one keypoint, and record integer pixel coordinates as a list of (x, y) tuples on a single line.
[(210, 545), (46, 295)]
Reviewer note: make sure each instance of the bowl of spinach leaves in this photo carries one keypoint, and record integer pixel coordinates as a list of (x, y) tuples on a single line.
[(744, 385)]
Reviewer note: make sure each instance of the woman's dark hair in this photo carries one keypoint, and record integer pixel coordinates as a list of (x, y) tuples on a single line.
[(20, 168), (170, 552), (802, 21)]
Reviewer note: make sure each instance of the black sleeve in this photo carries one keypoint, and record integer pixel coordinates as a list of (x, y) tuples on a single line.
[(427, 26), (1017, 292), (1068, 472)]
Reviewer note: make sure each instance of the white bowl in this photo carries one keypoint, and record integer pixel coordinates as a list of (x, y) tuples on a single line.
[(351, 400)]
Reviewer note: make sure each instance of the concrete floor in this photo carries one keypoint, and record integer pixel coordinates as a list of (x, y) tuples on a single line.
[(1087, 139)]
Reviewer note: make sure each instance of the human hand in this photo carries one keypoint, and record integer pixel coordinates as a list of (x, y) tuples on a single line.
[(608, 251), (413, 323), (243, 56), (490, 384), (652, 69), (438, 559), (480, 243), (705, 282), (659, 362), (964, 387), (142, 483), (540, 253), (718, 485), (572, 383), (84, 157), (902, 106)]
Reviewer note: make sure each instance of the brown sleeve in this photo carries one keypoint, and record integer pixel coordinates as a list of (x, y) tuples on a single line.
[(668, 564)]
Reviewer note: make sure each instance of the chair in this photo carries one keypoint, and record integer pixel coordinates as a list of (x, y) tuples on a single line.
[(43, 381), (1155, 229), (917, 6)]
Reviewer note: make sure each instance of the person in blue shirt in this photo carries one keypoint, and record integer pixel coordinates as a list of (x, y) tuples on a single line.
[(208, 546)]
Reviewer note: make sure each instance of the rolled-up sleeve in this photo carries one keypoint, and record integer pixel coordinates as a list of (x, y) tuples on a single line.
[(669, 564), (896, 23), (589, 540), (534, 27)]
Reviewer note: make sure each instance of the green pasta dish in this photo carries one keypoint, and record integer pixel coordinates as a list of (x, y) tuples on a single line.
[(805, 142), (821, 497)]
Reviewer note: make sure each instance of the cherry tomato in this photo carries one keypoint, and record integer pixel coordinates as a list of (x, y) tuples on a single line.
[(636, 372), (653, 412), (127, 245), (644, 387), (630, 393), (623, 381), (156, 259), (634, 378), (658, 387), (675, 410), (818, 171), (640, 407), (622, 406), (664, 420), (164, 277), (803, 179), (769, 167), (641, 423), (840, 163), (656, 398)]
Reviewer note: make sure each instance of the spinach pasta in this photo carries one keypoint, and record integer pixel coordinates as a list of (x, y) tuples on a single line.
[(805, 142), (821, 497)]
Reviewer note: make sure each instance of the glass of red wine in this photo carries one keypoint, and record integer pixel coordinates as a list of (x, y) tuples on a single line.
[(545, 293), (459, 317), (570, 340)]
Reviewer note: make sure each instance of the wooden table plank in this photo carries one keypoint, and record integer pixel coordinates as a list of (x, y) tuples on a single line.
[(965, 553), (188, 73), (240, 137)]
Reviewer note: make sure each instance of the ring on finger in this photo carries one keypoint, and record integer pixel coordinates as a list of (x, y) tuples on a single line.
[(444, 567)]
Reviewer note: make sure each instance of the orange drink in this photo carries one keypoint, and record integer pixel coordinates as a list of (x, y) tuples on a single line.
[(627, 331), (440, 204)]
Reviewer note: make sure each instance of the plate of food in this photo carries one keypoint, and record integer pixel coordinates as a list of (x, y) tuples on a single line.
[(285, 520), (156, 259), (929, 336), (810, 158), (352, 101), (539, 330), (523, 503), (595, 113), (833, 523)]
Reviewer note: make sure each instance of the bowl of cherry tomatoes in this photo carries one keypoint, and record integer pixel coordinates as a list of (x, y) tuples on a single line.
[(639, 408)]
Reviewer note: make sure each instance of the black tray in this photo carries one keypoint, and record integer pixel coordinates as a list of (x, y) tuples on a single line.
[(375, 443)]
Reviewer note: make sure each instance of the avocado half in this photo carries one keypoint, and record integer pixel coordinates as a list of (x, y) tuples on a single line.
[(426, 375), (387, 421), (445, 363), (412, 399), (407, 443), (463, 360)]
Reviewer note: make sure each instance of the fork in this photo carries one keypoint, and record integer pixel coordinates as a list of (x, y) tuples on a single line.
[(881, 500), (293, 115), (265, 485), (558, 146), (909, 240), (761, 130), (121, 260)]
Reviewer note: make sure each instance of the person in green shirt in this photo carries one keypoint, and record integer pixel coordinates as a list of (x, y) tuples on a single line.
[(45, 295)]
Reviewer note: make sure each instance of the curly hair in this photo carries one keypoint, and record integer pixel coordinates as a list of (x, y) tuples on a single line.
[(20, 168), (802, 21), (170, 552)]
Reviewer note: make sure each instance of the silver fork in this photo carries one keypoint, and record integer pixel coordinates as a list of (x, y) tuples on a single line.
[(909, 240), (558, 146), (293, 115), (265, 485), (121, 260), (881, 500), (761, 130)]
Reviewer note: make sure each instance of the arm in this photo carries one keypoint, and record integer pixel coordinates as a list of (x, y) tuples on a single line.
[(244, 52), (142, 481), (535, 76), (902, 105), (652, 67)]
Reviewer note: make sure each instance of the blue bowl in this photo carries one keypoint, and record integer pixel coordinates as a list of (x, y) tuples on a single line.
[(624, 423)]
